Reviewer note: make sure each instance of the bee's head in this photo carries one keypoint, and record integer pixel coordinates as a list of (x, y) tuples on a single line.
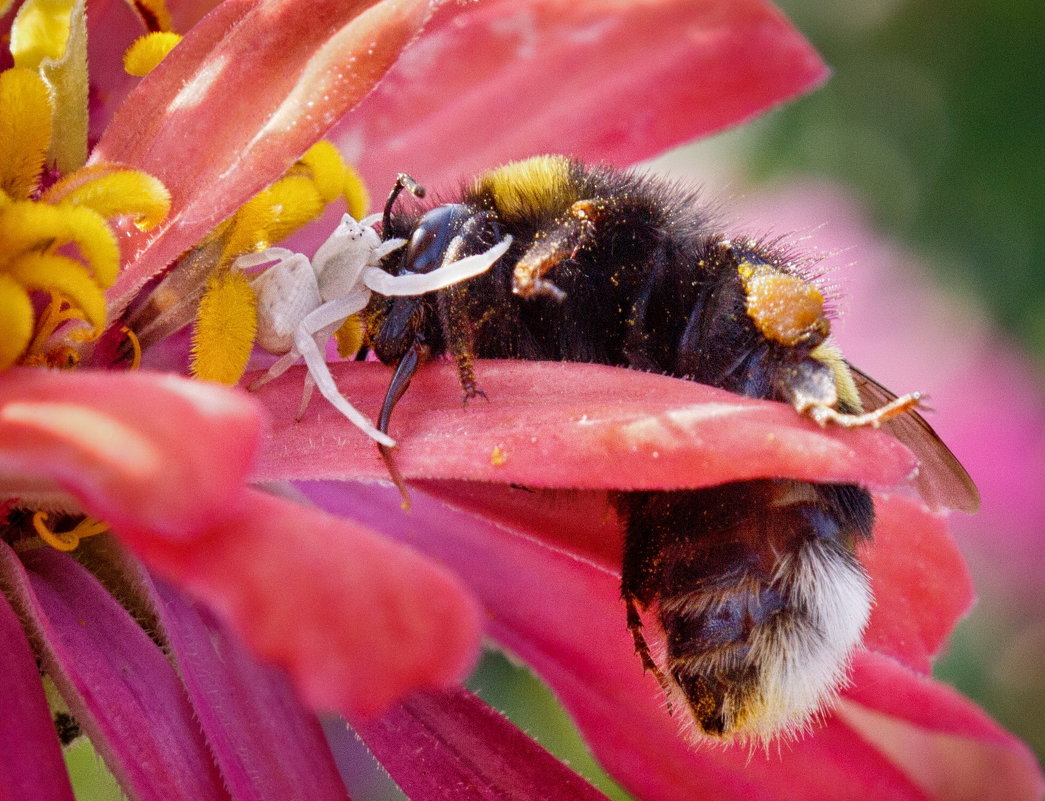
[(401, 319)]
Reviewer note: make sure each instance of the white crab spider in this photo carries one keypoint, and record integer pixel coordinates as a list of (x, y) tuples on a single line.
[(301, 303)]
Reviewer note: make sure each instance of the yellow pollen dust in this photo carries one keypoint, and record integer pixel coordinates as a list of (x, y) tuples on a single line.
[(784, 308)]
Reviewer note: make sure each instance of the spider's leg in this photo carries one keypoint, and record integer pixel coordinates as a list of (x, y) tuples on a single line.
[(334, 311)]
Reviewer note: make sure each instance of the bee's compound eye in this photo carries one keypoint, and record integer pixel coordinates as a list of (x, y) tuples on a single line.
[(432, 236)]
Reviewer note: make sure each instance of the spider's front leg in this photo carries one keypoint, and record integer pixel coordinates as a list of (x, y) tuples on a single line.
[(312, 334)]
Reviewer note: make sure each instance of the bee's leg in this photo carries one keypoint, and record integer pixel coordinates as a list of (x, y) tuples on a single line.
[(641, 647), (452, 304), (457, 328), (561, 243), (408, 365)]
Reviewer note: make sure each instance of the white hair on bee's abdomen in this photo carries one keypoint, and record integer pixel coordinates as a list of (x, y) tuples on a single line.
[(804, 660), (787, 672)]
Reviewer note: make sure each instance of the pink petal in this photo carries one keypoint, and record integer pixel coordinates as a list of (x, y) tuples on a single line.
[(597, 79), (117, 682), (450, 745), (128, 445), (550, 608), (568, 425), (268, 746), (248, 90), (945, 744), (920, 580), (32, 765), (355, 619)]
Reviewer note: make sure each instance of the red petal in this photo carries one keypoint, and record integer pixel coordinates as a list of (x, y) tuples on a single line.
[(357, 620), (601, 80), (247, 91), (568, 425), (436, 741), (117, 682), (137, 449), (920, 581), (32, 765)]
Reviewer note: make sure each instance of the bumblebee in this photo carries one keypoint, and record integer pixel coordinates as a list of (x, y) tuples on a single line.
[(745, 600)]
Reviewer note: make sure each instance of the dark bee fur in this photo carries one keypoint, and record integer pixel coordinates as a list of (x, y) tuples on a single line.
[(752, 589)]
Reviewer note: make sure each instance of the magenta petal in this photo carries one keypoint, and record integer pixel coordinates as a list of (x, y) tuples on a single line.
[(450, 746), (267, 745), (129, 444), (943, 742), (32, 765), (568, 425), (117, 682), (247, 91), (355, 619), (601, 80)]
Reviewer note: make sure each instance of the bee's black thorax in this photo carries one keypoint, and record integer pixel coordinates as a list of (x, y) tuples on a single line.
[(656, 288)]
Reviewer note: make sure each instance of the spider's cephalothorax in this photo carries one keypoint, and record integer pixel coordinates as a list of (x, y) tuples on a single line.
[(752, 590)]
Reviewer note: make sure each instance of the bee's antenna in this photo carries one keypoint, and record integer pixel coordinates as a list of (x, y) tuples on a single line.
[(403, 181)]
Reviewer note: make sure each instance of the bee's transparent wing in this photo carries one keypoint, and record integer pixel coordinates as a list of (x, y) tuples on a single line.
[(941, 481)]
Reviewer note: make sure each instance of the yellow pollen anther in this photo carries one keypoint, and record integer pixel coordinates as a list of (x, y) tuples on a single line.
[(25, 131), (67, 540), (225, 328), (50, 37), (149, 50)]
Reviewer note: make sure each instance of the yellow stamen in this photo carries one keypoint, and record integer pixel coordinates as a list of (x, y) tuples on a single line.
[(68, 540), (26, 227), (272, 215), (25, 131), (113, 191), (65, 277), (16, 312), (40, 30), (225, 328), (68, 249), (149, 50), (50, 36), (136, 347), (334, 178)]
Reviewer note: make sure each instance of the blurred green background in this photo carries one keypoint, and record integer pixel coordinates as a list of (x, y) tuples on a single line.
[(935, 114)]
